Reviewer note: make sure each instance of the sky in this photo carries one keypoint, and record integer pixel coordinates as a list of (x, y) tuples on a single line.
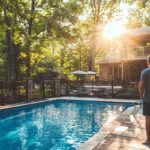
[(124, 13)]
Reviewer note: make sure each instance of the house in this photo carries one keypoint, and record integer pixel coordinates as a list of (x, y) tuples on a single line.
[(126, 61)]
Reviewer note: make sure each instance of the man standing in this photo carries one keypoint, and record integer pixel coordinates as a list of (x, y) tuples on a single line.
[(144, 88)]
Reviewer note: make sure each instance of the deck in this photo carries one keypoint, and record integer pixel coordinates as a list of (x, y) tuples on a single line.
[(127, 132)]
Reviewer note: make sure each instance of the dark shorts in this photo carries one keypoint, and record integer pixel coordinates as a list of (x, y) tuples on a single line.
[(146, 108)]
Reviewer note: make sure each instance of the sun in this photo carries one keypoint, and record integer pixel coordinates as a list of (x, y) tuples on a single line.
[(113, 30)]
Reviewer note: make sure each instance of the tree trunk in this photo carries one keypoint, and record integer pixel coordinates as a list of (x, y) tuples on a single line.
[(28, 74), (92, 60), (30, 23), (11, 60), (93, 48)]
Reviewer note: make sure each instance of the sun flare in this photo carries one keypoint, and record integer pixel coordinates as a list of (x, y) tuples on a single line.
[(113, 30)]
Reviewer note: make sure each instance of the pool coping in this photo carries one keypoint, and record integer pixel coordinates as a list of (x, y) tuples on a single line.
[(103, 133), (7, 107)]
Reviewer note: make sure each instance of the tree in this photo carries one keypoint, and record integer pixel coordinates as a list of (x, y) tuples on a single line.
[(27, 26), (101, 12), (138, 13), (9, 17)]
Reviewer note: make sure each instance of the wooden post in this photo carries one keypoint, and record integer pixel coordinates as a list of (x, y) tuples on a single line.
[(43, 89), (113, 71), (26, 90), (57, 88), (122, 70), (29, 86), (67, 82), (118, 72), (112, 86)]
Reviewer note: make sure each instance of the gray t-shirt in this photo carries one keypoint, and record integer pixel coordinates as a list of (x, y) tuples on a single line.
[(145, 77)]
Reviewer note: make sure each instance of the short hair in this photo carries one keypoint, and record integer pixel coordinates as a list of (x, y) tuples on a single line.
[(148, 59)]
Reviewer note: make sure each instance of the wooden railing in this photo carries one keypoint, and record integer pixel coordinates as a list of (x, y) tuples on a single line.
[(131, 53), (142, 51)]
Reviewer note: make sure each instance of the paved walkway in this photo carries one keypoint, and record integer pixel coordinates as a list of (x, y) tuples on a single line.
[(127, 133)]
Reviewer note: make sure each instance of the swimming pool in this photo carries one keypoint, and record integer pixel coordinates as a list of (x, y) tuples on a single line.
[(56, 125)]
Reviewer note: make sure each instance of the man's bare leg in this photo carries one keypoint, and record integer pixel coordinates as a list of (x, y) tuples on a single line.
[(147, 123)]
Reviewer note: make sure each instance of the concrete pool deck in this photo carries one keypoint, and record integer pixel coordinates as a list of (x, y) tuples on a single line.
[(126, 132)]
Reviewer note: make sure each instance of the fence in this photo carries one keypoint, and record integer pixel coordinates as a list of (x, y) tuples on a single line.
[(39, 90), (107, 89)]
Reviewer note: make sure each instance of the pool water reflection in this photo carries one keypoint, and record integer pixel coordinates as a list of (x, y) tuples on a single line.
[(61, 125)]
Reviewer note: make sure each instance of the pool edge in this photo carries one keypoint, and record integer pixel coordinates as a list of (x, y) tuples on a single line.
[(70, 98), (104, 132)]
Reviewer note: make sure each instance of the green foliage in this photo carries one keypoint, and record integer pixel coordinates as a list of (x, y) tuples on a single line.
[(139, 13), (59, 40)]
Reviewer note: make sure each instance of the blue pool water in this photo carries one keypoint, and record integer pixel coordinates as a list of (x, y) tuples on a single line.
[(59, 125)]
